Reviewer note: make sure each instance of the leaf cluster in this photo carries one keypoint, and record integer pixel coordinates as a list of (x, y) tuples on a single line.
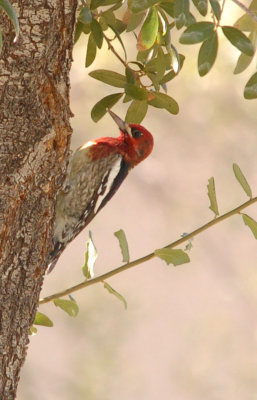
[(157, 62), (158, 59)]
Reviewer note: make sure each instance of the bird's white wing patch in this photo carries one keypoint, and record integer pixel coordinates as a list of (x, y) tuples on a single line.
[(107, 183), (87, 144)]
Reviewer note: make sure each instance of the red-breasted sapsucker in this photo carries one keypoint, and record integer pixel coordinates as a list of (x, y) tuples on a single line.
[(95, 172)]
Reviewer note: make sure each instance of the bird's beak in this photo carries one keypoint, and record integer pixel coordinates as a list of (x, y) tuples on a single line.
[(121, 124)]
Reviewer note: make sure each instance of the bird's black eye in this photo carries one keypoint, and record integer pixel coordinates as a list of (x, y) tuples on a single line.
[(135, 133)]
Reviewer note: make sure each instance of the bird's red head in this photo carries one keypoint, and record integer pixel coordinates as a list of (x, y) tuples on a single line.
[(135, 142)]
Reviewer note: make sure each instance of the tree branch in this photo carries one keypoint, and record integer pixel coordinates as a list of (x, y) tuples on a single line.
[(148, 257), (110, 47), (250, 12)]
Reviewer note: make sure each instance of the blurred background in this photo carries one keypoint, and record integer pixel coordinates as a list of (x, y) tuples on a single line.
[(190, 332)]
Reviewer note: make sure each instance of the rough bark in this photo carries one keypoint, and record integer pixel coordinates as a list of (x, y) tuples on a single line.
[(34, 144)]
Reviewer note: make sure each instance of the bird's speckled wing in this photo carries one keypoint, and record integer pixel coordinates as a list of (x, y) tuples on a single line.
[(86, 190)]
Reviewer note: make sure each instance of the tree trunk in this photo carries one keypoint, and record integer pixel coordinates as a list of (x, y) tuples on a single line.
[(34, 147)]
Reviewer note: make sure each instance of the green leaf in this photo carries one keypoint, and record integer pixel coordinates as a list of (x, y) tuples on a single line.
[(69, 306), (181, 61), (251, 223), (120, 235), (172, 52), (160, 65), (153, 77), (85, 15), (97, 3), (119, 26), (245, 23), (190, 20), (253, 6), (175, 58), (181, 12), (212, 196), (207, 54), (172, 256), (32, 330), (86, 28), (97, 32), (202, 6), (242, 63), (90, 258), (250, 91), (153, 64), (145, 56), (134, 21), (238, 39), (168, 77), (242, 180), (130, 75), (162, 100), (149, 30), (126, 99), (163, 26), (157, 65), (136, 92), (168, 8), (109, 18), (171, 74), (91, 50), (215, 5), (116, 5), (109, 77), (10, 11), (141, 5), (100, 108), (42, 319), (81, 28), (115, 293), (197, 32), (136, 112), (78, 31), (103, 23)]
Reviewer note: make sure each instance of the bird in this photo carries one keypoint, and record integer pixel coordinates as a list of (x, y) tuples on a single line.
[(95, 172)]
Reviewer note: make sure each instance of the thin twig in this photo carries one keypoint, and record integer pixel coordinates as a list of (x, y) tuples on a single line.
[(148, 257), (250, 12), (222, 7), (110, 46), (221, 12)]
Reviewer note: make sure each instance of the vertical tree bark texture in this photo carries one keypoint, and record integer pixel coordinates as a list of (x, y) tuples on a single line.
[(34, 142)]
